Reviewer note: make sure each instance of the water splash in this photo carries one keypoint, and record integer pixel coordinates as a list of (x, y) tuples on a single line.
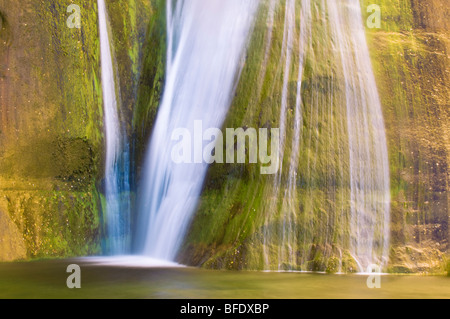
[(206, 41)]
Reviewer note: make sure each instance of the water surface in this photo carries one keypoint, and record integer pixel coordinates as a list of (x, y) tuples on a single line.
[(47, 279)]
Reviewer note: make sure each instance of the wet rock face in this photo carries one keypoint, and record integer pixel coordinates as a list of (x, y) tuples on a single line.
[(12, 244), (51, 122), (51, 143), (415, 97), (411, 65), (431, 15), (50, 130)]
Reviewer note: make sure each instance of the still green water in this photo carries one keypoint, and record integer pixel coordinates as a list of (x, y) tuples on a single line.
[(47, 279)]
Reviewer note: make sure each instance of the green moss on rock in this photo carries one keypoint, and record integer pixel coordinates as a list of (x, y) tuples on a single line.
[(410, 62)]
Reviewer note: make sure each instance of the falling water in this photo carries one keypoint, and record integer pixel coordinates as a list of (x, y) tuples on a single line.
[(289, 210), (334, 141), (206, 41), (117, 156), (369, 170), (287, 232)]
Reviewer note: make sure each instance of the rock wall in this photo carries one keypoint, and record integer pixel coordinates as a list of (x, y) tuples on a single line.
[(51, 133), (51, 122), (410, 60)]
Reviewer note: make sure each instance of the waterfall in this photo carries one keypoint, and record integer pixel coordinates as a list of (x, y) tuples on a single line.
[(331, 196), (289, 210), (116, 182), (332, 140), (206, 42), (369, 168)]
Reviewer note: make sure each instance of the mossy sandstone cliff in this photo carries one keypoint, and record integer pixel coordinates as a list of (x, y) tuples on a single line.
[(51, 133), (410, 57), (51, 122)]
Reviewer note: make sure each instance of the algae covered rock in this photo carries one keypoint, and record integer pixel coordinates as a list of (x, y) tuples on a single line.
[(409, 54), (51, 122)]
